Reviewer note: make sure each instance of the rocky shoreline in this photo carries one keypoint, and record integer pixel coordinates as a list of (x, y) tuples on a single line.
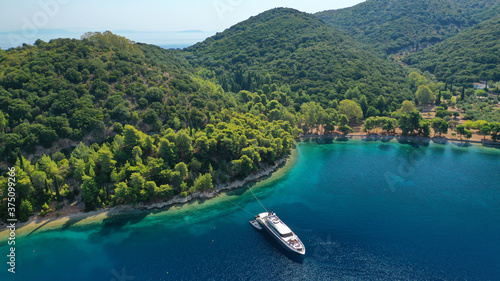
[(266, 171), (213, 193)]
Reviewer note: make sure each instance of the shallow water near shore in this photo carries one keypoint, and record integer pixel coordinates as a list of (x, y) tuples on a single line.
[(365, 210)]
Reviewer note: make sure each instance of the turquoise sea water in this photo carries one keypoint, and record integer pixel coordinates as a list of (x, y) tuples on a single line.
[(364, 210)]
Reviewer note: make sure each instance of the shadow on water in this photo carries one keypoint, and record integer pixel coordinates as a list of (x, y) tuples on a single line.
[(496, 146), (440, 140), (342, 139), (386, 138), (323, 140), (276, 245), (71, 222), (422, 142), (239, 191), (462, 144), (415, 143), (371, 138), (36, 229), (116, 223), (386, 147)]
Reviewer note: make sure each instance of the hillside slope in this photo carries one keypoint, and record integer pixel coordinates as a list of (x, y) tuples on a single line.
[(391, 26), (106, 121), (470, 56), (87, 85), (300, 50)]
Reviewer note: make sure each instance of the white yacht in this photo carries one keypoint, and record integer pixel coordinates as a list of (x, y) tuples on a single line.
[(281, 232)]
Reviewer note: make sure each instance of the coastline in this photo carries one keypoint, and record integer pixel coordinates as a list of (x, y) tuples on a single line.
[(440, 140), (269, 172)]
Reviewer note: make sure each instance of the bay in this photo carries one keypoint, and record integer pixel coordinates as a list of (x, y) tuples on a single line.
[(364, 210)]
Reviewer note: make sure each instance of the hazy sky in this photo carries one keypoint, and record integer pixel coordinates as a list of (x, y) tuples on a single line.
[(147, 21), (146, 15)]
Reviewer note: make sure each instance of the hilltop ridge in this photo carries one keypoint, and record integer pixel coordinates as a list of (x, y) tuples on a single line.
[(392, 26), (470, 56), (300, 50)]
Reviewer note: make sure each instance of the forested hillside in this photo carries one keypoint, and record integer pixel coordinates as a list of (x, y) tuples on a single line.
[(78, 89), (471, 56), (288, 47), (392, 26), (105, 121)]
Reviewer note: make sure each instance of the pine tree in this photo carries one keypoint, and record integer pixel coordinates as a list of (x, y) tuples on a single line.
[(90, 193), (25, 210)]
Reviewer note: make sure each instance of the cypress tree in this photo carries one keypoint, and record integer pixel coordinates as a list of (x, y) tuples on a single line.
[(47, 187), (21, 160), (438, 99), (56, 186)]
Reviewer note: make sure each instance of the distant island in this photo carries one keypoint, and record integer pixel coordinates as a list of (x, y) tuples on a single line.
[(103, 121)]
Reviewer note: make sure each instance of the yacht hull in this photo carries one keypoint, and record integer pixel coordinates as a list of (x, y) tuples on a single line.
[(276, 235)]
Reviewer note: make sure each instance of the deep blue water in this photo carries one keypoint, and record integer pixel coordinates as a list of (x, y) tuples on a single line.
[(364, 210)]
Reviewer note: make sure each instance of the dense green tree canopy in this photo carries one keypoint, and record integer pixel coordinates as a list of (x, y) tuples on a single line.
[(471, 56), (392, 26), (351, 109), (407, 107), (424, 95), (285, 46), (107, 121)]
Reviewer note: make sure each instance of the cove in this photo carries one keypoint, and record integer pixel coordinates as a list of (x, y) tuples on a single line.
[(365, 210)]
